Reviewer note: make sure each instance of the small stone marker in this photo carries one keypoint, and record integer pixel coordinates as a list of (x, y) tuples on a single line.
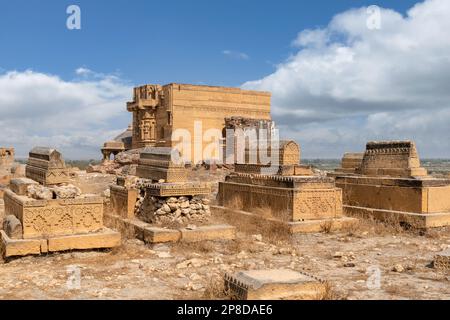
[(442, 260), (274, 284)]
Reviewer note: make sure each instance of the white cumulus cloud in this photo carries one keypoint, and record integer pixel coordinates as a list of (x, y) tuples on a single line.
[(235, 55), (75, 116), (348, 83)]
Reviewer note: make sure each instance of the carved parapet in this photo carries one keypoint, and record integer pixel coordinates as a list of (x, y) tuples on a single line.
[(178, 189), (42, 218)]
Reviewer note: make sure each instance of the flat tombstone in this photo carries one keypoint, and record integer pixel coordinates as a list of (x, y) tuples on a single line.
[(274, 284)]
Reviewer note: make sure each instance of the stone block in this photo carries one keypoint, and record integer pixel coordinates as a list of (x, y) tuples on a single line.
[(20, 185), (160, 235), (203, 233), (104, 238), (18, 247), (12, 227), (274, 284)]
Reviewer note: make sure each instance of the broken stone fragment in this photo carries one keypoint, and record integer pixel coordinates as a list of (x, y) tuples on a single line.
[(166, 208), (173, 206), (398, 268), (12, 227), (107, 193), (184, 204), (66, 192), (39, 192)]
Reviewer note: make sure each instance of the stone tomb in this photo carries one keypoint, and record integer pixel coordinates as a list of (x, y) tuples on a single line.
[(350, 162), (137, 206), (390, 185), (274, 284), (161, 163), (35, 226), (300, 203), (46, 166), (288, 161)]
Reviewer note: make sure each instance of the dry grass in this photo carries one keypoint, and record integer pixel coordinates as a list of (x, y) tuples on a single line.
[(215, 289), (198, 247), (326, 226), (371, 225), (330, 293), (259, 222), (393, 290)]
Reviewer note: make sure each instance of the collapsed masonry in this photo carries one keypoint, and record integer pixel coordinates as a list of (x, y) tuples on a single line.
[(45, 214), (161, 195), (286, 192), (9, 169), (389, 183)]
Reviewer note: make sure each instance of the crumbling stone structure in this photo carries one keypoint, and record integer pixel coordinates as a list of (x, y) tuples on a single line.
[(390, 184), (6, 156), (162, 194), (112, 147), (40, 219)]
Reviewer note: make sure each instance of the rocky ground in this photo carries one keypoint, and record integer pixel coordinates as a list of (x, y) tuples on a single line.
[(351, 261), (348, 260)]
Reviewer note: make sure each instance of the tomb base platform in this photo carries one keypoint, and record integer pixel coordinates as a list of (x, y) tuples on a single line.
[(265, 224), (150, 233), (289, 199), (418, 202), (102, 239), (410, 219)]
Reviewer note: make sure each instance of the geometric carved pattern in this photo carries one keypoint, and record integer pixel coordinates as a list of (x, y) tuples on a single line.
[(55, 217)]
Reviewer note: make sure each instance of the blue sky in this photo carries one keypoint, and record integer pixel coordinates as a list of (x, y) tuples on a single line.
[(162, 41), (335, 84)]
